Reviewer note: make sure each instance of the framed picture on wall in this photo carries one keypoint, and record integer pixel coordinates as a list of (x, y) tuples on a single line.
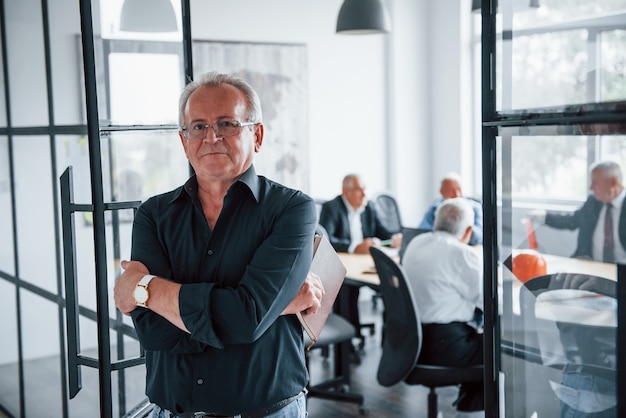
[(278, 73)]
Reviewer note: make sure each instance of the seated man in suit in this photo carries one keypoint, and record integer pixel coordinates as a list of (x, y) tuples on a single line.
[(451, 188), (353, 227), (446, 276), (601, 237)]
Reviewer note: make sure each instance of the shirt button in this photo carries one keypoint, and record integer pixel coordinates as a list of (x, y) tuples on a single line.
[(210, 252), (200, 381)]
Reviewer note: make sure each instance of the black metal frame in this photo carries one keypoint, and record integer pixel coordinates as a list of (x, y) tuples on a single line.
[(98, 207), (15, 132), (70, 384), (492, 121), (74, 357)]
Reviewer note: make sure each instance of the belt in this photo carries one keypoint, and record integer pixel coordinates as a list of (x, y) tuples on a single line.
[(260, 413), (588, 369)]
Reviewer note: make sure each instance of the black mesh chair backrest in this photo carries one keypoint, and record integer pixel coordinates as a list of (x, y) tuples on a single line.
[(407, 235), (403, 331), (388, 212)]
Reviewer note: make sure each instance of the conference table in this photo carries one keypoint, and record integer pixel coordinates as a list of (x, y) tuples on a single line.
[(361, 271)]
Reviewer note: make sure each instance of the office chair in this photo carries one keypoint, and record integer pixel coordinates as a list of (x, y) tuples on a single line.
[(388, 212), (407, 235), (338, 333), (402, 342)]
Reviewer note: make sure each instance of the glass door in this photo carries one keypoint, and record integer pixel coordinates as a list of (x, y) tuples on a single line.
[(554, 101)]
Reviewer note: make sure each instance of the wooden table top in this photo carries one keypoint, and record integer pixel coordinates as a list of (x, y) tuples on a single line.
[(360, 267)]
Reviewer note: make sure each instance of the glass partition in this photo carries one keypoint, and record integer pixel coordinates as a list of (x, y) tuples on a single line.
[(130, 151), (558, 313), (560, 52)]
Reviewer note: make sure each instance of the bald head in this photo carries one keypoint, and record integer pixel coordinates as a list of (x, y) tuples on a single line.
[(353, 190), (451, 186)]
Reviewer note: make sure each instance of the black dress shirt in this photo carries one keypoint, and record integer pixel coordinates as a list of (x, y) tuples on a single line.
[(241, 354)]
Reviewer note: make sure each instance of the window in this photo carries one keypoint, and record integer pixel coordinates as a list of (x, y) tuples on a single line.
[(564, 52)]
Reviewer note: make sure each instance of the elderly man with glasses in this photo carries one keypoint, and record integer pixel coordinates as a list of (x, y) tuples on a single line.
[(219, 266)]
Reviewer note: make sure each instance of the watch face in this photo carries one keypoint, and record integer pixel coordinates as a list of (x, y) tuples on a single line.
[(141, 294)]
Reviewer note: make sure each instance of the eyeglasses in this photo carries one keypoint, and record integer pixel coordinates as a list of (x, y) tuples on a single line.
[(222, 129)]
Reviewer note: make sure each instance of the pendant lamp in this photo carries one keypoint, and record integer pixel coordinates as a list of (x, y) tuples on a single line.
[(363, 17), (148, 16), (534, 4)]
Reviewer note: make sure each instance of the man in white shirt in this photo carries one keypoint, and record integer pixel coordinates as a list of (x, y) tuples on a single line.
[(446, 276)]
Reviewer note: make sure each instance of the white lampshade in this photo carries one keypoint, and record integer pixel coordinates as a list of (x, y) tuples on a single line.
[(363, 17), (148, 16)]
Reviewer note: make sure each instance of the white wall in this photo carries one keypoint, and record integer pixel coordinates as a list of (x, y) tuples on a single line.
[(370, 94), (391, 107)]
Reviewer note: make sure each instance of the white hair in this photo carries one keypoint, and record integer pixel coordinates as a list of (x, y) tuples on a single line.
[(608, 169), (454, 216)]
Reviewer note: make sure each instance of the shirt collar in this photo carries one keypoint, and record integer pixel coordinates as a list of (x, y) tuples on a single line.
[(248, 178), (350, 208)]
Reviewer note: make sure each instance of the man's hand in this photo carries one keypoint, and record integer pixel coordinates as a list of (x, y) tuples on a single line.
[(125, 285), (309, 297), (364, 247), (396, 240)]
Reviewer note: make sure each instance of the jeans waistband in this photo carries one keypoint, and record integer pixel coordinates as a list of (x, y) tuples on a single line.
[(260, 413)]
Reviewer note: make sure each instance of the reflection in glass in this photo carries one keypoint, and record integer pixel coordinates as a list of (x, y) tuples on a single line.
[(552, 166), (546, 169), (613, 65), (145, 163), (549, 69), (564, 52), (574, 319)]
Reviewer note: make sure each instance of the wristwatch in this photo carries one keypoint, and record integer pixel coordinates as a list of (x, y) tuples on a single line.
[(141, 293)]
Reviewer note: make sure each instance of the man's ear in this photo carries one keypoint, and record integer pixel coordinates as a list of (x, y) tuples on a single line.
[(259, 131), (184, 142), (467, 235), (614, 181)]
